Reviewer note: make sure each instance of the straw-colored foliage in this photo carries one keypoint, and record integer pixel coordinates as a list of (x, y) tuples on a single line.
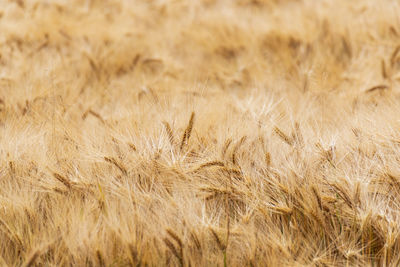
[(200, 133)]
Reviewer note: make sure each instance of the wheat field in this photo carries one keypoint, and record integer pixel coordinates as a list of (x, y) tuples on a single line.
[(200, 133)]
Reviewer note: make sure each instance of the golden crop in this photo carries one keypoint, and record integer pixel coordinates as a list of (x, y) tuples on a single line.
[(200, 133)]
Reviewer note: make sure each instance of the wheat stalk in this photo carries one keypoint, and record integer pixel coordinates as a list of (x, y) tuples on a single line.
[(100, 258), (284, 136), (236, 148), (63, 180), (377, 88), (393, 57), (32, 258), (210, 164), (188, 131), (225, 147), (116, 164), (170, 133), (178, 253)]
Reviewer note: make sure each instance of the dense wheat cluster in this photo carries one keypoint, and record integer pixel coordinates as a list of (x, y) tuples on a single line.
[(200, 133)]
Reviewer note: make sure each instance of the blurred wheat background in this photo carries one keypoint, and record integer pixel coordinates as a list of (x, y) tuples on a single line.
[(200, 133)]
